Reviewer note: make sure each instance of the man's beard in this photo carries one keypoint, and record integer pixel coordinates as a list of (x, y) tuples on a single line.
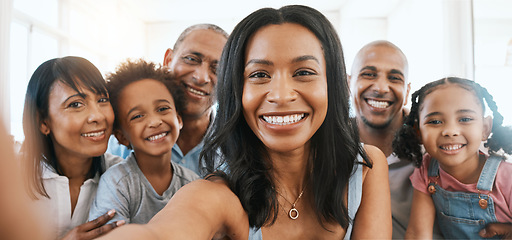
[(376, 126)]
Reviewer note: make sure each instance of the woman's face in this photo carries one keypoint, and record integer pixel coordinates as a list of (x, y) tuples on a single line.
[(79, 124), (285, 86)]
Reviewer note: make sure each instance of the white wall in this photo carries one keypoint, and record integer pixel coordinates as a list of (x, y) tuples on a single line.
[(491, 42), (5, 22), (108, 32), (417, 28), (105, 33)]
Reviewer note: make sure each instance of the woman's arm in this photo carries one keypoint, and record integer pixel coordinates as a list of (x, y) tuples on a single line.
[(373, 219), (200, 210), (423, 214)]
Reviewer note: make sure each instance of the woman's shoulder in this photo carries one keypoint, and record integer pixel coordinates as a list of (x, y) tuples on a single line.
[(378, 161), (208, 194), (214, 187), (375, 154)]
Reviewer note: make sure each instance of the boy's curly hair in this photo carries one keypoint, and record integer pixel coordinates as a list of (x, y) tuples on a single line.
[(132, 71)]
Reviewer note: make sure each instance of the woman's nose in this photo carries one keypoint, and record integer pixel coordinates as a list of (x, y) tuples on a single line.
[(281, 90)]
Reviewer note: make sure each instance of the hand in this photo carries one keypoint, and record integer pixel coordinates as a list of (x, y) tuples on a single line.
[(94, 228), (504, 230)]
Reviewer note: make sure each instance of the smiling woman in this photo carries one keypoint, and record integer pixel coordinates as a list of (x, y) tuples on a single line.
[(67, 120), (291, 165)]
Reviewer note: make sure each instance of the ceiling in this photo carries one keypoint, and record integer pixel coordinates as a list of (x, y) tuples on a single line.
[(180, 10)]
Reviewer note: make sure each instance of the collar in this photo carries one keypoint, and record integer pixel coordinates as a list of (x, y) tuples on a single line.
[(48, 172)]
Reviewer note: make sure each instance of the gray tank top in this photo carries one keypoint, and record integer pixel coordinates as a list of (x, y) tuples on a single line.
[(355, 188)]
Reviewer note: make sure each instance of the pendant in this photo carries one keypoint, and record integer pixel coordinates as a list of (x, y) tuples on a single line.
[(431, 189), (483, 203), (293, 213)]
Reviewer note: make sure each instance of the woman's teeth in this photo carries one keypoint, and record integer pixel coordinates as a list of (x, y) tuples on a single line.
[(94, 134), (156, 137), (378, 104), (284, 120)]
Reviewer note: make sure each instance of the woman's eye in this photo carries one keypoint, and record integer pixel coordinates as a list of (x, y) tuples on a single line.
[(104, 100), (304, 73), (259, 75), (75, 105)]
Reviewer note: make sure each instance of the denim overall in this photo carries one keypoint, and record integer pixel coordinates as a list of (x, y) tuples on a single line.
[(462, 215)]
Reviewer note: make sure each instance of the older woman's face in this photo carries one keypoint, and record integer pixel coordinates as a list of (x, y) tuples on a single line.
[(79, 124), (285, 86)]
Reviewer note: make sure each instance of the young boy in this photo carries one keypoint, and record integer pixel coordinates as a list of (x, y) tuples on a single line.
[(146, 107)]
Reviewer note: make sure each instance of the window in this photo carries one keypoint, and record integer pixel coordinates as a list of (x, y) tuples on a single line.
[(493, 51)]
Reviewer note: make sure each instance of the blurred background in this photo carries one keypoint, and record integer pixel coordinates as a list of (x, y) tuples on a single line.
[(465, 38)]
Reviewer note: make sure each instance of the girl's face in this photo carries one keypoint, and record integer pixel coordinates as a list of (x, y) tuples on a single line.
[(79, 124), (148, 118), (452, 125), (285, 86)]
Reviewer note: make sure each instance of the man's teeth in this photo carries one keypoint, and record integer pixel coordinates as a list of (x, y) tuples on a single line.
[(196, 91), (378, 104), (155, 137), (283, 120), (94, 134), (451, 147)]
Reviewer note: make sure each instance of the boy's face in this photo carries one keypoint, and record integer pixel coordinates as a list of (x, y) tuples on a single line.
[(148, 118)]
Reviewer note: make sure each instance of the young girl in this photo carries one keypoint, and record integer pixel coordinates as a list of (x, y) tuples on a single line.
[(295, 166), (67, 119), (146, 107), (455, 182)]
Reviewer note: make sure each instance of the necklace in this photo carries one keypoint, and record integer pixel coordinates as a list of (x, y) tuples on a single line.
[(293, 213)]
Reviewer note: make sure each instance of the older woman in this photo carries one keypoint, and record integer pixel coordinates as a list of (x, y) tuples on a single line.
[(67, 120)]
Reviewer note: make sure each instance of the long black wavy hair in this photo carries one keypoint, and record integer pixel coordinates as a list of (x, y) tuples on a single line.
[(334, 146), (407, 142)]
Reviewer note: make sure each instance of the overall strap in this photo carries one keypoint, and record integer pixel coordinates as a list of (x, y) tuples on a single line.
[(433, 168), (486, 179)]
